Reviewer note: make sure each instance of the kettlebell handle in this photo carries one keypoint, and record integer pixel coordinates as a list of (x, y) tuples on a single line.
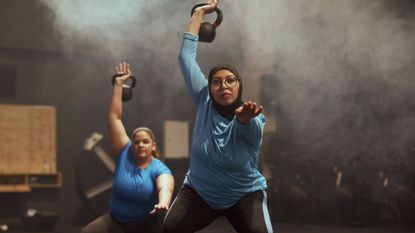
[(219, 14), (133, 79), (127, 92)]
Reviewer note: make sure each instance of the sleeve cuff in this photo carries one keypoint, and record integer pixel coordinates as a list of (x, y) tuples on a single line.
[(244, 124), (260, 118), (191, 36)]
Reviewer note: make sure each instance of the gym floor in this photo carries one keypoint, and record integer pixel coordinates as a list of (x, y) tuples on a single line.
[(222, 226)]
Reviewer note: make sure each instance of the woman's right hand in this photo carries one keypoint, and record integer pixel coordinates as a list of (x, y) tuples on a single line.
[(207, 9), (124, 69), (247, 111)]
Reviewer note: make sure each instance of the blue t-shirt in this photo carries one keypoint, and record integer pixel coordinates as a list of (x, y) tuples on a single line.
[(134, 191), (224, 154)]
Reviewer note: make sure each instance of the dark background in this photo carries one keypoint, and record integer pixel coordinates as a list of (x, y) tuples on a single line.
[(338, 77)]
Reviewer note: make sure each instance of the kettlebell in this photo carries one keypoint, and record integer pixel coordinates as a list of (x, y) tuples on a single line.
[(127, 90), (207, 30)]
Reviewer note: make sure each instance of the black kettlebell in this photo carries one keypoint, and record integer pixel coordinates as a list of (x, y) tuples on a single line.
[(207, 30), (127, 90)]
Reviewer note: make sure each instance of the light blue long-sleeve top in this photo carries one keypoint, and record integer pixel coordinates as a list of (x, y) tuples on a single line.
[(224, 154)]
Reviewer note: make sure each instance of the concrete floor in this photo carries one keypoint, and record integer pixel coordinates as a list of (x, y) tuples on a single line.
[(222, 226)]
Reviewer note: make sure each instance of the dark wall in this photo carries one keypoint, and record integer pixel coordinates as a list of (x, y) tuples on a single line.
[(340, 104), (37, 71)]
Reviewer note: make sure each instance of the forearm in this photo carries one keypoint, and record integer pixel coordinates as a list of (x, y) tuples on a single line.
[(165, 195), (115, 109), (195, 22), (187, 56), (165, 187), (192, 75), (253, 130)]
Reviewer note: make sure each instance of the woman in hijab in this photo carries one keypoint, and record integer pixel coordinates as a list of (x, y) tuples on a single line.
[(223, 177)]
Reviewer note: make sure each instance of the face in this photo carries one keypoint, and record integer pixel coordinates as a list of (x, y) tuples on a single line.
[(224, 87), (142, 145)]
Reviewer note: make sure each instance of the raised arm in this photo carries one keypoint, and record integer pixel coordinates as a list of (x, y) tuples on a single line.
[(118, 135), (193, 76)]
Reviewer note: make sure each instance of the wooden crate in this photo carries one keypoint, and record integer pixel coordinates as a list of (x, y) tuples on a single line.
[(27, 139)]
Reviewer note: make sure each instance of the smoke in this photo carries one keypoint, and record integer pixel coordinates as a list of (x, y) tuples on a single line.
[(344, 68), (105, 25), (96, 35)]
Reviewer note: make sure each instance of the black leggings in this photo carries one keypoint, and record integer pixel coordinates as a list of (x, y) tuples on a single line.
[(189, 213), (106, 224)]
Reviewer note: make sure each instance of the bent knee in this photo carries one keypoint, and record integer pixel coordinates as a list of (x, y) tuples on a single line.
[(174, 225), (257, 227)]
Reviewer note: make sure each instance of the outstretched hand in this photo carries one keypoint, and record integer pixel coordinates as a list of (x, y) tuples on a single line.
[(124, 70), (207, 9), (159, 208), (248, 111)]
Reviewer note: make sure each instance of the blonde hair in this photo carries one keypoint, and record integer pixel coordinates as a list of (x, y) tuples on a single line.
[(154, 152)]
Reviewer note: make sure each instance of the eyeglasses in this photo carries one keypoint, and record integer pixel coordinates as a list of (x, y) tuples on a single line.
[(229, 82)]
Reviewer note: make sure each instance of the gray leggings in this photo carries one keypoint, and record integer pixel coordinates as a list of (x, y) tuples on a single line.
[(106, 224)]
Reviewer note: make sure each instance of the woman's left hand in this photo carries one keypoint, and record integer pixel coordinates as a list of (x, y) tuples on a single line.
[(248, 111), (123, 69)]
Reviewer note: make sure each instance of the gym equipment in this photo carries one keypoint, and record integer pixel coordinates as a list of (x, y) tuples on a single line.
[(94, 175), (207, 30), (127, 90)]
